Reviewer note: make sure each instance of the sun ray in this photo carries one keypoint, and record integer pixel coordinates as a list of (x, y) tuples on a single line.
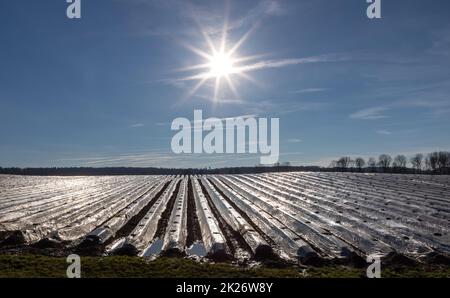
[(209, 42), (216, 89), (202, 30), (195, 89), (196, 51), (200, 76), (194, 67), (232, 87), (242, 40), (249, 78), (225, 30)]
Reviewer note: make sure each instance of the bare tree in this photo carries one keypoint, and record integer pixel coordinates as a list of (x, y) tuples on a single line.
[(427, 163), (360, 163), (344, 162), (432, 161), (443, 160), (384, 161), (447, 165), (351, 163), (417, 161), (372, 163), (400, 162)]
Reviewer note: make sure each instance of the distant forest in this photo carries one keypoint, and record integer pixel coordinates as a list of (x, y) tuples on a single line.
[(436, 163)]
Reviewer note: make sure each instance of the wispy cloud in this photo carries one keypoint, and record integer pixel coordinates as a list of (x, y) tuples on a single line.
[(166, 159), (383, 132), (373, 113), (277, 107), (264, 9), (137, 125), (204, 118), (277, 63), (222, 101), (436, 105), (431, 104), (309, 90), (294, 140), (209, 19)]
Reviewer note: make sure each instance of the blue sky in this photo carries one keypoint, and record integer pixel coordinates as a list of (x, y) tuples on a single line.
[(103, 90)]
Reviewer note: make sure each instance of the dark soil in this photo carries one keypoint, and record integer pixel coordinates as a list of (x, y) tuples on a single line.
[(165, 216), (194, 233)]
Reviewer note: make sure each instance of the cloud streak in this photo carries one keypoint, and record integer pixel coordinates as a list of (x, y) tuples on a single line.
[(309, 90), (208, 18), (438, 107), (373, 113), (383, 132), (293, 61), (168, 159)]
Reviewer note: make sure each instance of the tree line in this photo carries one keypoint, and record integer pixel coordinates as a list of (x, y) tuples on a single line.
[(87, 171), (434, 163)]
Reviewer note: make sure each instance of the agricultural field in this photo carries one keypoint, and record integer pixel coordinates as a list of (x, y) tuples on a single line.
[(299, 217)]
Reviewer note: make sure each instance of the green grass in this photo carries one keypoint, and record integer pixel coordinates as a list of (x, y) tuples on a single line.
[(120, 266)]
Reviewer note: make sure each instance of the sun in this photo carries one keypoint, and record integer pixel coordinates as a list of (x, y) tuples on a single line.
[(221, 65)]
